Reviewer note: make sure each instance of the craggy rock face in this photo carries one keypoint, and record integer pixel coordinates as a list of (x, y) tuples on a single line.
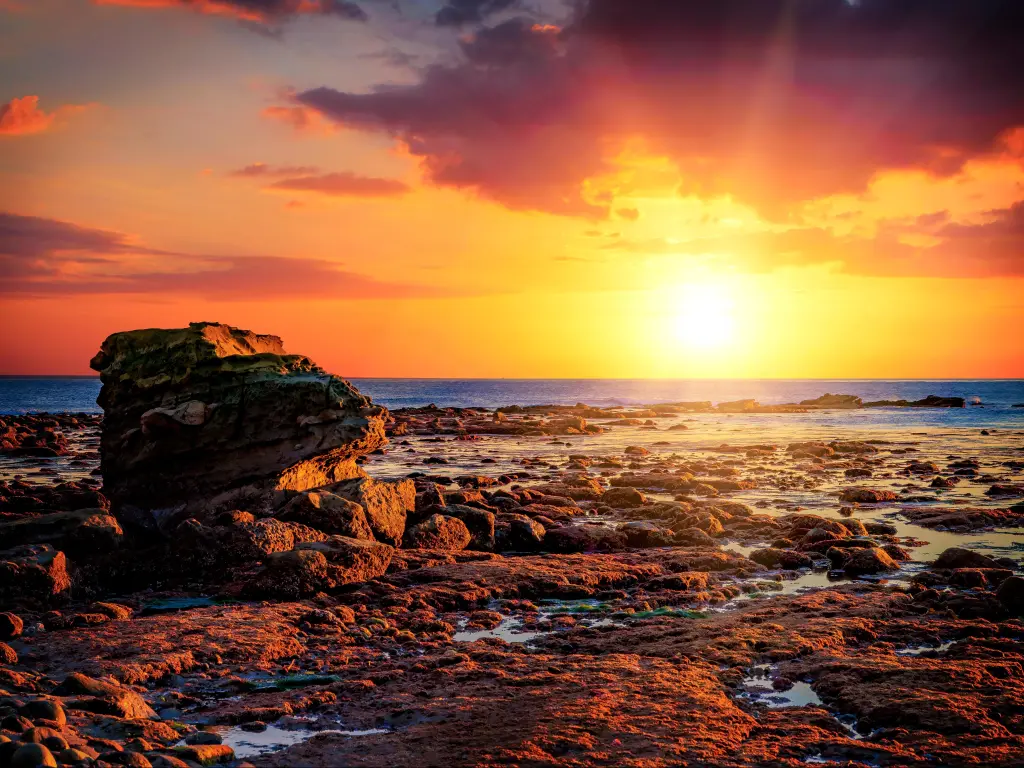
[(211, 416)]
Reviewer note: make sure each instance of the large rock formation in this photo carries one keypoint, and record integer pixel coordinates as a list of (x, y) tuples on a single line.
[(212, 417)]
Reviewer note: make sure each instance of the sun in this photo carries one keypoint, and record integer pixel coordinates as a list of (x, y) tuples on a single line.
[(703, 317)]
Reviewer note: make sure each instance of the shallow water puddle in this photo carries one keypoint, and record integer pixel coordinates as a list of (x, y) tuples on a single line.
[(917, 650), (508, 630), (757, 686), (252, 743)]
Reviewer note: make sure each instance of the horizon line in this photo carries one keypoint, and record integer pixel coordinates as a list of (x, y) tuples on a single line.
[(583, 378)]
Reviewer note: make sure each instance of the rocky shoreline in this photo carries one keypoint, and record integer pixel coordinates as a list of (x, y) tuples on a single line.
[(275, 571)]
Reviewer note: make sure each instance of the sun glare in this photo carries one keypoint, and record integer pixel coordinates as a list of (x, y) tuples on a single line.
[(703, 317)]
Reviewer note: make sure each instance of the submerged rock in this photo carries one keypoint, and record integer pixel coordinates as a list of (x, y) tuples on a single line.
[(211, 416)]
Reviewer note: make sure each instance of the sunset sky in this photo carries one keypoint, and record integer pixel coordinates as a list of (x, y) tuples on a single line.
[(521, 188)]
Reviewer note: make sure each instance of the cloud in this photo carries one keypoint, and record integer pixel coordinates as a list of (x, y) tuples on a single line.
[(257, 11), (771, 101), (342, 185), (47, 257), (301, 119), (456, 13), (22, 116), (928, 245), (258, 170)]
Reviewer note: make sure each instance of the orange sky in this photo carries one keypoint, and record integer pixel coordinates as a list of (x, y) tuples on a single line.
[(529, 192)]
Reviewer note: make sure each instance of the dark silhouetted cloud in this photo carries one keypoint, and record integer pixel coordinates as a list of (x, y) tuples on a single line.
[(770, 101), (46, 257), (258, 11), (456, 13)]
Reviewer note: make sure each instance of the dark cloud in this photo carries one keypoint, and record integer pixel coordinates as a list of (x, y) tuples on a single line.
[(258, 11), (46, 257), (771, 101), (35, 237), (343, 185), (456, 13)]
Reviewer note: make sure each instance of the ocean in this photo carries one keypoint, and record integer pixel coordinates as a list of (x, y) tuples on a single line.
[(994, 398)]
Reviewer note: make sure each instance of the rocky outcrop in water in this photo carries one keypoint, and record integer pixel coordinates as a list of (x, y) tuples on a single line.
[(213, 417)]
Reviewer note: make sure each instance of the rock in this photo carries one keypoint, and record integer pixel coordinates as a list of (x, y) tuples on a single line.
[(386, 504), (834, 401), (204, 737), (207, 754), (897, 553), (1005, 490), (329, 513), (438, 532), (867, 495), (583, 538), (81, 531), (167, 761), (781, 558), (1011, 594), (126, 758), (15, 723), (38, 735), (956, 557), (208, 416), (10, 626), (7, 654), (623, 498), (524, 533), (932, 401), (643, 534), (45, 709), (32, 756), (105, 698), (319, 566), (74, 757), (33, 573), (870, 560), (480, 523)]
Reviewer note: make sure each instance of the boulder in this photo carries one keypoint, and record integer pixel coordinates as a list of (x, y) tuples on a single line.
[(870, 560), (81, 531), (623, 498), (1011, 594), (480, 523), (583, 538), (319, 566), (104, 698), (643, 534), (786, 559), (32, 573), (957, 557), (210, 416), (11, 626), (386, 504), (328, 512), (438, 532), (524, 533), (32, 756)]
